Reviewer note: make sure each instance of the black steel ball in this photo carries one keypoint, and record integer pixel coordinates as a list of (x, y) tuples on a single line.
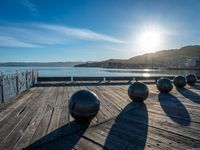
[(191, 79), (138, 91), (179, 81), (164, 85), (84, 105)]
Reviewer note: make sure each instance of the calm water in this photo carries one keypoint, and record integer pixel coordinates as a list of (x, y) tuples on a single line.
[(73, 71)]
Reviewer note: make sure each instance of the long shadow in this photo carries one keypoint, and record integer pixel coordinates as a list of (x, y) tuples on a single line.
[(174, 109), (195, 86), (47, 84), (190, 95), (65, 137), (130, 128), (56, 84)]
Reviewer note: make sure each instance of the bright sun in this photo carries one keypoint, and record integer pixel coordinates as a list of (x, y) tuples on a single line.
[(149, 40)]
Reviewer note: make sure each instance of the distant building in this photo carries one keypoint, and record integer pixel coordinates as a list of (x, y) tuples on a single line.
[(190, 62), (198, 63)]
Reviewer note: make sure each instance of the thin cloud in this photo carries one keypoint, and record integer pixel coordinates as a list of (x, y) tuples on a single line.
[(12, 42), (30, 6), (36, 35), (81, 33)]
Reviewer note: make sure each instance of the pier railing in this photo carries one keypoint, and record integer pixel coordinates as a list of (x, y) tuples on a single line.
[(104, 78), (101, 78), (13, 84)]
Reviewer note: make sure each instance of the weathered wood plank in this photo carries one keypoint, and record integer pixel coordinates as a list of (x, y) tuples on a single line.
[(54, 123), (40, 117), (29, 132), (44, 123), (12, 121), (16, 106), (11, 140), (64, 116)]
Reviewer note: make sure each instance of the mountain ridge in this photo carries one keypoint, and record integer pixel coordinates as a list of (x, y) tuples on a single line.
[(187, 56), (40, 64)]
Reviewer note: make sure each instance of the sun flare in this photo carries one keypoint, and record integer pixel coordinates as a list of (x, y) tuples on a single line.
[(149, 39)]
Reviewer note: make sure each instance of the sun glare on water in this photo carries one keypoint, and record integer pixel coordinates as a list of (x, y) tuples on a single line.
[(146, 75)]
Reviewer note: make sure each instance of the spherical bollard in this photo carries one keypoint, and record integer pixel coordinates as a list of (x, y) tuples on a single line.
[(164, 85), (179, 81), (191, 79), (138, 91), (84, 105)]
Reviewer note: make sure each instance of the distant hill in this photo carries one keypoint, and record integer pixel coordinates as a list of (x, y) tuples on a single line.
[(39, 64), (185, 57)]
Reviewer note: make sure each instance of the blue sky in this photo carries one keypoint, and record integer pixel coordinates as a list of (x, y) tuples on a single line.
[(80, 30)]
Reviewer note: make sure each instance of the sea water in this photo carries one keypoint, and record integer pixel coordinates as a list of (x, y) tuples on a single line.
[(80, 71)]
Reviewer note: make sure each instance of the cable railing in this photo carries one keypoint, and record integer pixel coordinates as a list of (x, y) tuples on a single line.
[(13, 84)]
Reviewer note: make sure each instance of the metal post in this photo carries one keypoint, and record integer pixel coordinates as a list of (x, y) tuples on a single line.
[(133, 79), (32, 77), (26, 76), (36, 76), (104, 79), (72, 79), (156, 80), (2, 84), (17, 83)]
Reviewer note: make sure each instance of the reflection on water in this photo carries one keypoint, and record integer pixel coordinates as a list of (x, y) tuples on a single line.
[(147, 70), (75, 71), (146, 74)]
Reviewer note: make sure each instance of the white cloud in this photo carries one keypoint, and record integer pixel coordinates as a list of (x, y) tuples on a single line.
[(37, 34)]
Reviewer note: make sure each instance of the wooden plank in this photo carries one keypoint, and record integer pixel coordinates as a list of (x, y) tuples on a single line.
[(112, 136), (64, 116), (114, 96), (174, 113), (71, 91), (29, 132), (126, 130), (165, 124), (176, 136), (7, 110), (16, 128), (54, 123), (75, 141), (44, 123), (105, 109), (11, 140), (15, 100), (14, 120)]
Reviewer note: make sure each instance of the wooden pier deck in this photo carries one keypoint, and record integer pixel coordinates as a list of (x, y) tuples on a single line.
[(39, 119)]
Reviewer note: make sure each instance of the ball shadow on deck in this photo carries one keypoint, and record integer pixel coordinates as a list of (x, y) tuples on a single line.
[(174, 109), (64, 84), (130, 128), (65, 137), (195, 86), (190, 95)]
